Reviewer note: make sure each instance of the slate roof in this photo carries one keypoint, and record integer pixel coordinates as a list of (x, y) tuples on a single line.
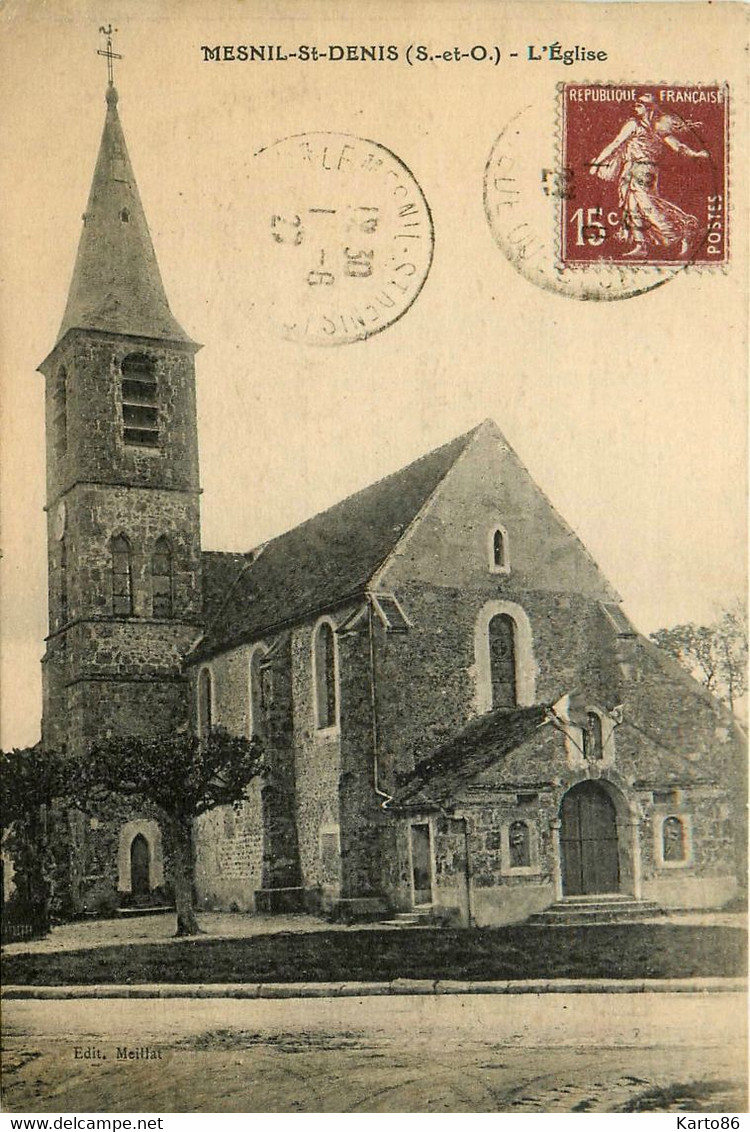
[(474, 749), (117, 286), (220, 570), (327, 559)]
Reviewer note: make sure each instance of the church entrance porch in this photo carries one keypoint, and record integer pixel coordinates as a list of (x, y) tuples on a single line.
[(589, 846)]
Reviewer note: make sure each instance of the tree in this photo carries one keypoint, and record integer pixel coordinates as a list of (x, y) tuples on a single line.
[(30, 780), (180, 774), (715, 654)]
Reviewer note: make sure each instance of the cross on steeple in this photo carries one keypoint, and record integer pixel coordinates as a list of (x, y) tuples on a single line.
[(108, 53)]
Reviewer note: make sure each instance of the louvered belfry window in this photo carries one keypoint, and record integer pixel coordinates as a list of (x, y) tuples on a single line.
[(161, 579), (122, 577), (140, 406)]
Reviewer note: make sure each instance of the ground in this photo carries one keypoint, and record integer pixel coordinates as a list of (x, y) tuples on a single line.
[(262, 949), (458, 1053), (522, 1052)]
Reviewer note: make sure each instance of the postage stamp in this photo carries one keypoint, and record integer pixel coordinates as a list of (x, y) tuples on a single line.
[(645, 175), (347, 236)]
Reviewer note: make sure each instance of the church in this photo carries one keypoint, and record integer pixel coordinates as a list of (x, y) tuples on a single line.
[(459, 722)]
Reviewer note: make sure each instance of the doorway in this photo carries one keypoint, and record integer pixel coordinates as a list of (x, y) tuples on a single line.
[(140, 871), (421, 863), (588, 841)]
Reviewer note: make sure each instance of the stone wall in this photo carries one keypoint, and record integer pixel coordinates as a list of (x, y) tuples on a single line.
[(646, 785), (95, 446), (229, 841)]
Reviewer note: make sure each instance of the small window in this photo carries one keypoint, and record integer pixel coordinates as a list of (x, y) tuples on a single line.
[(205, 705), (140, 410), (499, 560), (593, 740), (519, 845), (60, 414), (258, 690), (526, 799), (122, 578), (674, 841), (161, 579), (324, 675), (125, 215), (63, 581), (502, 640)]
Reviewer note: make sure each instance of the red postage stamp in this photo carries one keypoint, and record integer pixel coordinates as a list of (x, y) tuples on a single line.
[(644, 174)]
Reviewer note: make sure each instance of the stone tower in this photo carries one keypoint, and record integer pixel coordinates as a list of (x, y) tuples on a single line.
[(122, 480)]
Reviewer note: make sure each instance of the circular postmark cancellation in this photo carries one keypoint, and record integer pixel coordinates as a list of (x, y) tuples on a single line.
[(613, 190), (345, 234)]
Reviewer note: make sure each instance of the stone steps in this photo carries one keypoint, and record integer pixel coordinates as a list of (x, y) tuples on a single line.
[(603, 908), (146, 910), (410, 920)]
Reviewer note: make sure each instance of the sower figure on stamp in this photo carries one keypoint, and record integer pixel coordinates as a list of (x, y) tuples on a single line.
[(633, 158)]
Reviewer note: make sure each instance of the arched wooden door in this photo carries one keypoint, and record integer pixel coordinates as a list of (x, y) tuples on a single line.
[(588, 841), (140, 863)]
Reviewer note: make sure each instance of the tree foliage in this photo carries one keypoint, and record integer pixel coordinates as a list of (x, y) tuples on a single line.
[(181, 775), (715, 654), (30, 780), (30, 777)]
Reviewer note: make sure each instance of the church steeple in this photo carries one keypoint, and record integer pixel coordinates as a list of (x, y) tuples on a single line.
[(123, 486), (117, 287)]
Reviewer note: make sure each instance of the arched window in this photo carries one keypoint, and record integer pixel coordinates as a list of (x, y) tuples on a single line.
[(593, 739), (519, 845), (161, 578), (122, 577), (140, 407), (499, 559), (324, 676), (502, 640), (60, 413), (205, 704), (674, 841), (63, 581), (504, 657), (257, 688)]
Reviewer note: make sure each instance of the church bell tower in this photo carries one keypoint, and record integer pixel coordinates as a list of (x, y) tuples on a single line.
[(123, 523)]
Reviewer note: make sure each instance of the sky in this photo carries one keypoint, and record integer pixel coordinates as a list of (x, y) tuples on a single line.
[(630, 415)]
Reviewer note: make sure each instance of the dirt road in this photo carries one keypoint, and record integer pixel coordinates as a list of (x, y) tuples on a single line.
[(457, 1053)]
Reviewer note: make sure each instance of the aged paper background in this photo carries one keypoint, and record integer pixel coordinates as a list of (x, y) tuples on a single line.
[(631, 415)]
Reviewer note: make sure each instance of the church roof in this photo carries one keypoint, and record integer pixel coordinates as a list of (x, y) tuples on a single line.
[(116, 283), (328, 558), (481, 743), (220, 569)]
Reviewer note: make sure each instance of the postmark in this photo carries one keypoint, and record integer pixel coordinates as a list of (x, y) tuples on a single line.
[(645, 173), (535, 181), (346, 237)]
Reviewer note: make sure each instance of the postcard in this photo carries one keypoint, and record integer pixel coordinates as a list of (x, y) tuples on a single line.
[(374, 638)]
